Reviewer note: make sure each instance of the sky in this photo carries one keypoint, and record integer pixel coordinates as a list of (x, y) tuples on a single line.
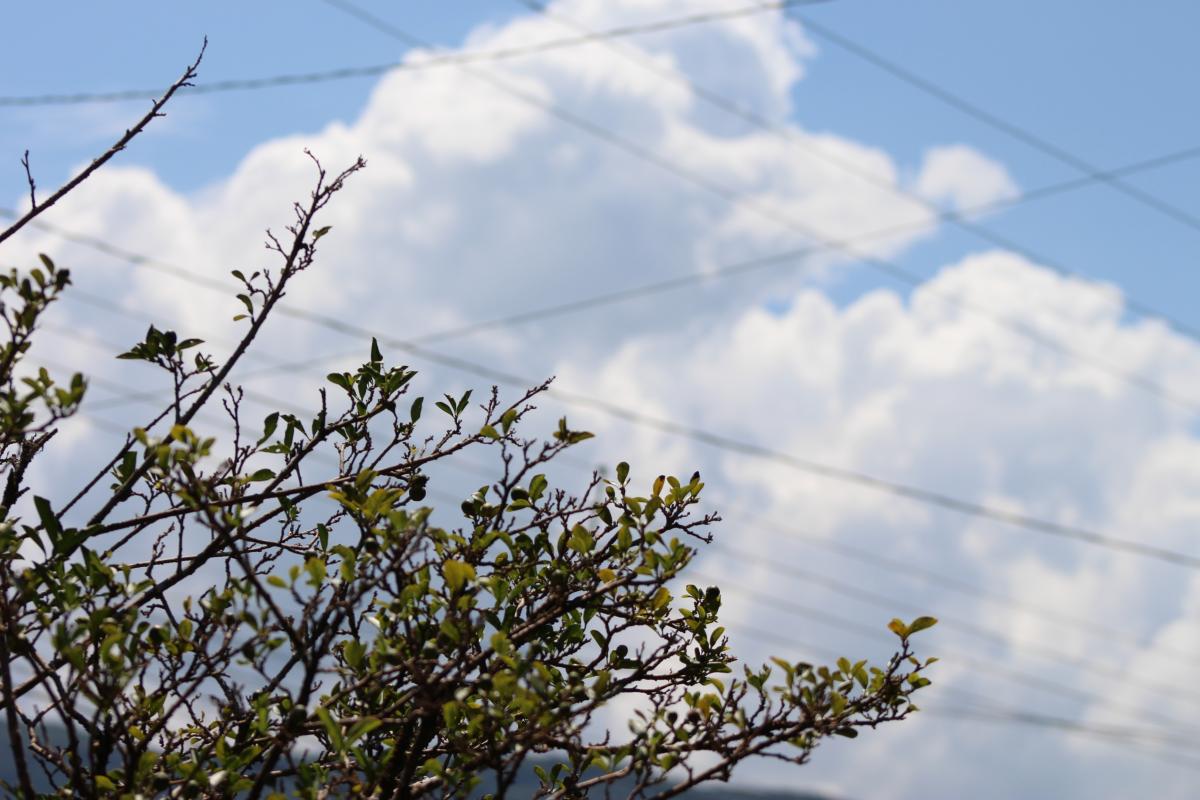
[(1007, 362)]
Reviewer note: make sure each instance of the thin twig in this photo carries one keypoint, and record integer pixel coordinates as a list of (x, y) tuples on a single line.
[(126, 138), (29, 177)]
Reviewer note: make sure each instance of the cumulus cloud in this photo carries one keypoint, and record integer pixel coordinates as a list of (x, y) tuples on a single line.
[(963, 178), (477, 200), (478, 203), (927, 393)]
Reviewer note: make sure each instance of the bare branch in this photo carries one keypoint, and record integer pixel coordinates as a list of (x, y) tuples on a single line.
[(29, 179), (118, 146)]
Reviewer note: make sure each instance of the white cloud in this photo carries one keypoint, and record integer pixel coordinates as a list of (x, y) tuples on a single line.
[(476, 205), (963, 178), (929, 394)]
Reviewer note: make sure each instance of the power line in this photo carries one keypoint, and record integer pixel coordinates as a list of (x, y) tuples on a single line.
[(1093, 174), (789, 258), (1158, 742), (959, 586), (788, 134), (982, 705), (841, 588), (1106, 632), (727, 443), (980, 114), (847, 589), (787, 604), (867, 596), (1160, 747), (886, 267), (981, 711), (879, 600), (881, 265), (374, 70), (706, 437), (678, 282), (809, 612), (1138, 711)]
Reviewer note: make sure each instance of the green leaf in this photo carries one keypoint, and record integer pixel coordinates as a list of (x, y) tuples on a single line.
[(333, 729), (489, 432), (414, 413), (581, 540), (269, 425), (899, 628), (457, 573), (354, 651), (362, 728), (48, 518), (263, 474), (376, 356), (920, 624), (622, 472)]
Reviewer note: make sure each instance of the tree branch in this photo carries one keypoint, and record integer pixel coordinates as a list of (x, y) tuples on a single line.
[(118, 146)]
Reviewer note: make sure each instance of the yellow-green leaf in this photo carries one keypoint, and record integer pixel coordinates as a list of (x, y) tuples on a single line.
[(457, 573)]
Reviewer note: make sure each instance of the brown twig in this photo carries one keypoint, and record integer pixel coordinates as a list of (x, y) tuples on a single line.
[(29, 178), (118, 146)]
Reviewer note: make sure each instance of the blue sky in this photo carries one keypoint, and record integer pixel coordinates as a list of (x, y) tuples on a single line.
[(1105, 81), (475, 207)]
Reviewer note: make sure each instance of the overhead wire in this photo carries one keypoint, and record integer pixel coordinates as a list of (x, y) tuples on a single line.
[(812, 613), (995, 121), (787, 258), (960, 586), (280, 365), (833, 584), (668, 426), (1158, 742), (1086, 664), (822, 615), (795, 139), (716, 440), (427, 62), (881, 265), (1136, 711), (790, 258)]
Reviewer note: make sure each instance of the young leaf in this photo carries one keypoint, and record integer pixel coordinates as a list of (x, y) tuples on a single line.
[(457, 573)]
